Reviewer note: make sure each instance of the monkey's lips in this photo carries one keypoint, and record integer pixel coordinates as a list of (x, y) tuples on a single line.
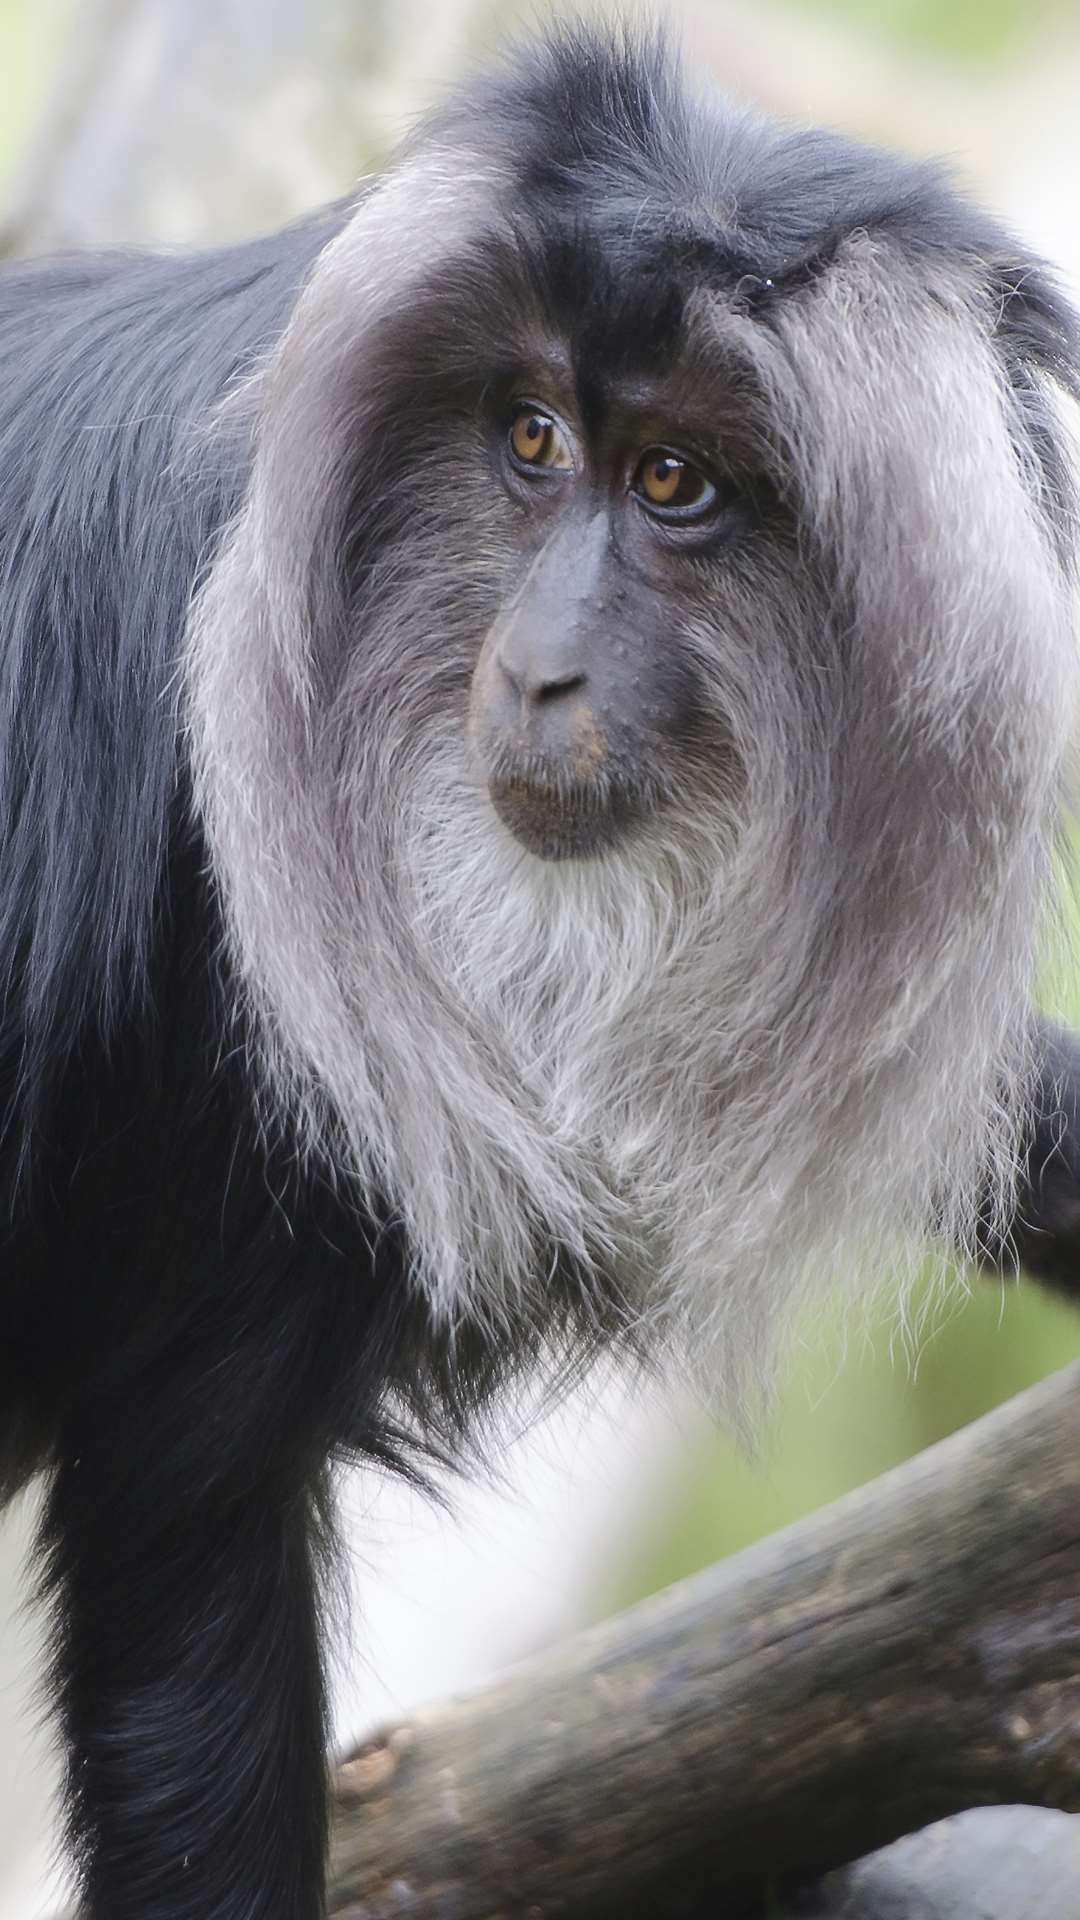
[(564, 820)]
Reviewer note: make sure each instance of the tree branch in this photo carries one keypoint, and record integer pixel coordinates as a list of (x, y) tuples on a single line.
[(911, 1651)]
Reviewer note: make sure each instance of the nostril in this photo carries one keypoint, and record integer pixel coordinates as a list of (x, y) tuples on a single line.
[(539, 679), (552, 689)]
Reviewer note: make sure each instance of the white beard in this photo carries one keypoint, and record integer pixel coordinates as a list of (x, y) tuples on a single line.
[(692, 1186)]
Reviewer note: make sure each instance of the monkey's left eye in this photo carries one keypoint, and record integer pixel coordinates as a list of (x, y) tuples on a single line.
[(672, 486), (538, 441)]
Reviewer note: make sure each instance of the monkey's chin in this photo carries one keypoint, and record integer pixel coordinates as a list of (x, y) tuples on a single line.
[(562, 823)]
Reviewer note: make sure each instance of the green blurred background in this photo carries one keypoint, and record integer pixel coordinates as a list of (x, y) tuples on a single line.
[(961, 30), (26, 54)]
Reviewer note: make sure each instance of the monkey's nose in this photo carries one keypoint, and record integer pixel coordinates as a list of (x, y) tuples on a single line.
[(535, 692), (536, 681)]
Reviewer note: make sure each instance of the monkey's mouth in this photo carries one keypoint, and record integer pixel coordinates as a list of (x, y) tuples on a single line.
[(566, 820)]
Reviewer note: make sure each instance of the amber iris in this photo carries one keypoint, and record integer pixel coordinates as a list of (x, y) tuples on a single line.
[(665, 479), (537, 440)]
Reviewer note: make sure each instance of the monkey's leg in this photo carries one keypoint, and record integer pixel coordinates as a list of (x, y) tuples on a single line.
[(189, 1684), (1045, 1236)]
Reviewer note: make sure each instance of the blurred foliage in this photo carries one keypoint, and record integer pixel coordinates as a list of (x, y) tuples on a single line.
[(980, 30), (843, 1417), (26, 50)]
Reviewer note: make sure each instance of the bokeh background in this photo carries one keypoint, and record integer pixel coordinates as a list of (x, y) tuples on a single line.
[(174, 121)]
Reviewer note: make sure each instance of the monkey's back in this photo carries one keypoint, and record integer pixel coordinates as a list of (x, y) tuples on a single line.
[(114, 1101)]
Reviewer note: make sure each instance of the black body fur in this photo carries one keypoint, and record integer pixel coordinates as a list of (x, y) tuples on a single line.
[(184, 1350), (194, 1319)]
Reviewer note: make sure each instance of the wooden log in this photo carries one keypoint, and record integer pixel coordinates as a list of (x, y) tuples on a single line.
[(910, 1651)]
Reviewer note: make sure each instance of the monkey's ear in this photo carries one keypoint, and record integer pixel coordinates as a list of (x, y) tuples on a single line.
[(1038, 337), (1038, 326)]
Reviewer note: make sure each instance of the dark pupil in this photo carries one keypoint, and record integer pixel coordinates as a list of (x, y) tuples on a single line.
[(664, 469), (535, 429)]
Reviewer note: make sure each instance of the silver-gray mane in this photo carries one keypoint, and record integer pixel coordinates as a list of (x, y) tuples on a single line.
[(780, 1034)]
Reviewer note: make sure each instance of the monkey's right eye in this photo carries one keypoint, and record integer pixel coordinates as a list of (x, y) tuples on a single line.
[(538, 442)]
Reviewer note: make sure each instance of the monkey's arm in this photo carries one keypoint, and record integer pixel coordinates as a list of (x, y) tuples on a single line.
[(1045, 1235)]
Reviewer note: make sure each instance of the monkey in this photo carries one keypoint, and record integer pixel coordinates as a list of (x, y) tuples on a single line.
[(537, 719)]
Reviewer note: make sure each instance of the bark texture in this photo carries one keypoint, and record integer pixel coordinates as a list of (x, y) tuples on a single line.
[(909, 1652)]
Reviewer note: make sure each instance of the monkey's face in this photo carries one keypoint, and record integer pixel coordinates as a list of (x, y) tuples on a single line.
[(588, 709), (574, 567)]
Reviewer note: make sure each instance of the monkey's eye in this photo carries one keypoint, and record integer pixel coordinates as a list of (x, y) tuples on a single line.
[(538, 441), (672, 486)]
